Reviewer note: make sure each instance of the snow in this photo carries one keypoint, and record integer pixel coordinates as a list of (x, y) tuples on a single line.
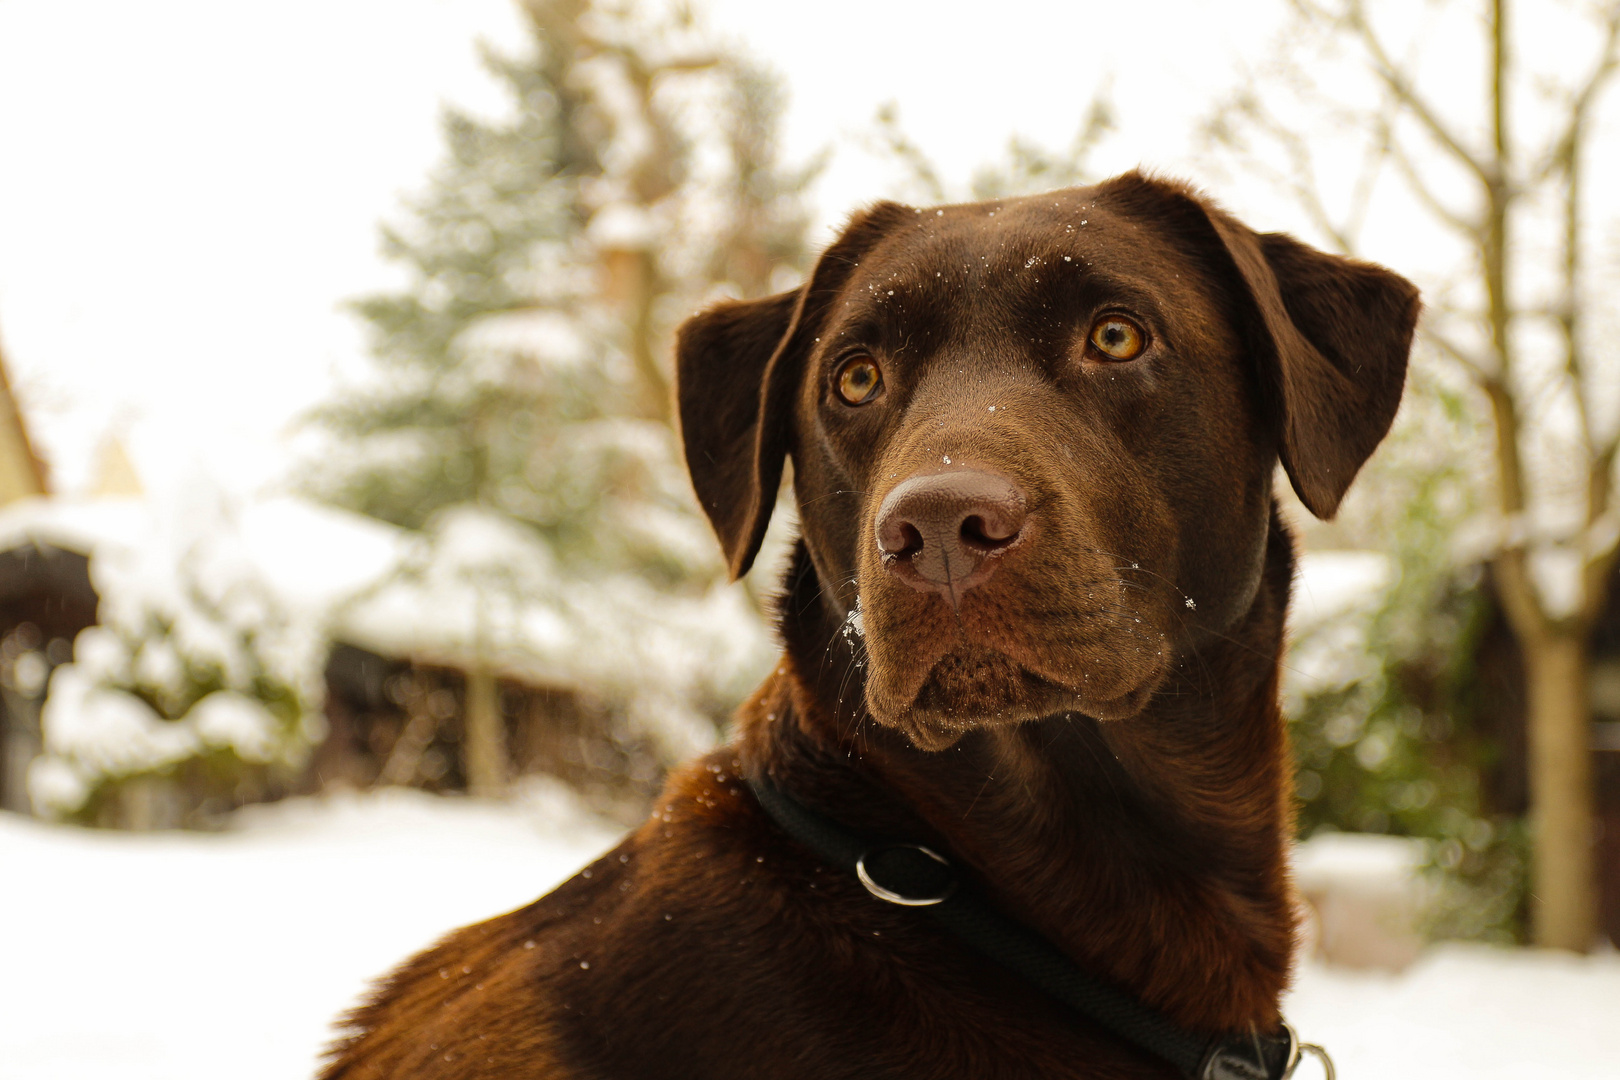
[(101, 730), (80, 525), (474, 589), (1366, 895), (1558, 576), (158, 956), (623, 226), (1333, 859), (1467, 1012), (547, 336), (310, 554), (227, 718), (316, 556)]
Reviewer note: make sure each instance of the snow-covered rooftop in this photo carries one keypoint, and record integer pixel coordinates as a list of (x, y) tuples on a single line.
[(311, 555)]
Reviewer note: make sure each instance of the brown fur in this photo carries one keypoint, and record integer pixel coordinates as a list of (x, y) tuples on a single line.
[(1106, 759)]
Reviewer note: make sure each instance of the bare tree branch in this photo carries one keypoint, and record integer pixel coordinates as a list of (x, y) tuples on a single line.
[(1468, 361), (1299, 179), (1372, 163), (1580, 102), (1567, 160), (891, 140), (1400, 85), (1466, 227)]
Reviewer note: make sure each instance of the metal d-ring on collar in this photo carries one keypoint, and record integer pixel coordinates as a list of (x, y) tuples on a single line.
[(931, 883), (1220, 1062), (1317, 1052), (939, 895)]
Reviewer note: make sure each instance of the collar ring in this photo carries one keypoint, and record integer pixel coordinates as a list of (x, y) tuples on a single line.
[(892, 896)]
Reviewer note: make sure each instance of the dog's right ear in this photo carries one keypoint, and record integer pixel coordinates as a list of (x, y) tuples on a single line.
[(737, 372), (721, 359)]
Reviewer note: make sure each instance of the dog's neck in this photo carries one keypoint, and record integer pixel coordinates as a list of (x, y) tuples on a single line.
[(1152, 850)]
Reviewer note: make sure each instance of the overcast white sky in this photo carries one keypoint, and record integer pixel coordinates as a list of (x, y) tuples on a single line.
[(189, 189)]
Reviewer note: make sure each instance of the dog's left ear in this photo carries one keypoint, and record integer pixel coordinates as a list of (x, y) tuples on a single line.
[(1340, 333), (1332, 336)]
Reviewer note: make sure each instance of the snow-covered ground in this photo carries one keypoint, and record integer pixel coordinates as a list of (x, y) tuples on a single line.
[(1466, 1012), (205, 956), (194, 957)]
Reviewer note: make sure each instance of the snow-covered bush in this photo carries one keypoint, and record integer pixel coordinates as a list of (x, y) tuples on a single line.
[(198, 690)]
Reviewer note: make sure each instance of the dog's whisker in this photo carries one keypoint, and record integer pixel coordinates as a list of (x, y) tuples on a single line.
[(832, 495)]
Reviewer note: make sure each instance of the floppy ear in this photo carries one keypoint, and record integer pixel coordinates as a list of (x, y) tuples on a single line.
[(1339, 335), (721, 358), (737, 372), (1332, 335)]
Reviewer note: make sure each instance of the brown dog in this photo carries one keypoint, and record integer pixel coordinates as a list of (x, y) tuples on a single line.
[(1034, 619)]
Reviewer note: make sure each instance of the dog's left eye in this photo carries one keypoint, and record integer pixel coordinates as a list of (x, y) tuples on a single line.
[(1118, 338), (858, 381)]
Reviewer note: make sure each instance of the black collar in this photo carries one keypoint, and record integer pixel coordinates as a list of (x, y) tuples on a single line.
[(915, 876)]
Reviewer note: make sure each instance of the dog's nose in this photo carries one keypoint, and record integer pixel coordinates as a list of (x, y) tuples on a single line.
[(939, 532)]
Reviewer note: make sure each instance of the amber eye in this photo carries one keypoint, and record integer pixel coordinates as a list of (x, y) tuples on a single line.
[(1117, 338), (859, 380)]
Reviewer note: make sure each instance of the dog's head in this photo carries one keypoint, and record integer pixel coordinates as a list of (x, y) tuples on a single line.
[(1033, 439)]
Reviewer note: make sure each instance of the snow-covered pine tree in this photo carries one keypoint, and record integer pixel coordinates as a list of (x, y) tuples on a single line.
[(523, 370)]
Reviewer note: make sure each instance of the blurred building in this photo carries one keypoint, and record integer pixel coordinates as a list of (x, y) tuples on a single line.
[(45, 600), (459, 669), (400, 717)]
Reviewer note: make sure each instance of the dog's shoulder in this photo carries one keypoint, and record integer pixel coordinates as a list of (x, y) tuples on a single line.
[(542, 990), (476, 1003)]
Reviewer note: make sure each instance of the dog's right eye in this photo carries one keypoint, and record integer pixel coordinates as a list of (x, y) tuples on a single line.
[(858, 380), (1118, 338)]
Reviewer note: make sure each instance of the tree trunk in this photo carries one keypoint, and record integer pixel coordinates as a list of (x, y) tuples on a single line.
[(484, 740), (1563, 907), (642, 321)]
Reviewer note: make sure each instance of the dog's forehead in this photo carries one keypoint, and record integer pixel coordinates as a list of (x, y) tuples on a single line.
[(980, 264)]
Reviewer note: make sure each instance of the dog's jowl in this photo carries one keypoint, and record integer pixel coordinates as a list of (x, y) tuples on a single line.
[(1033, 620)]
